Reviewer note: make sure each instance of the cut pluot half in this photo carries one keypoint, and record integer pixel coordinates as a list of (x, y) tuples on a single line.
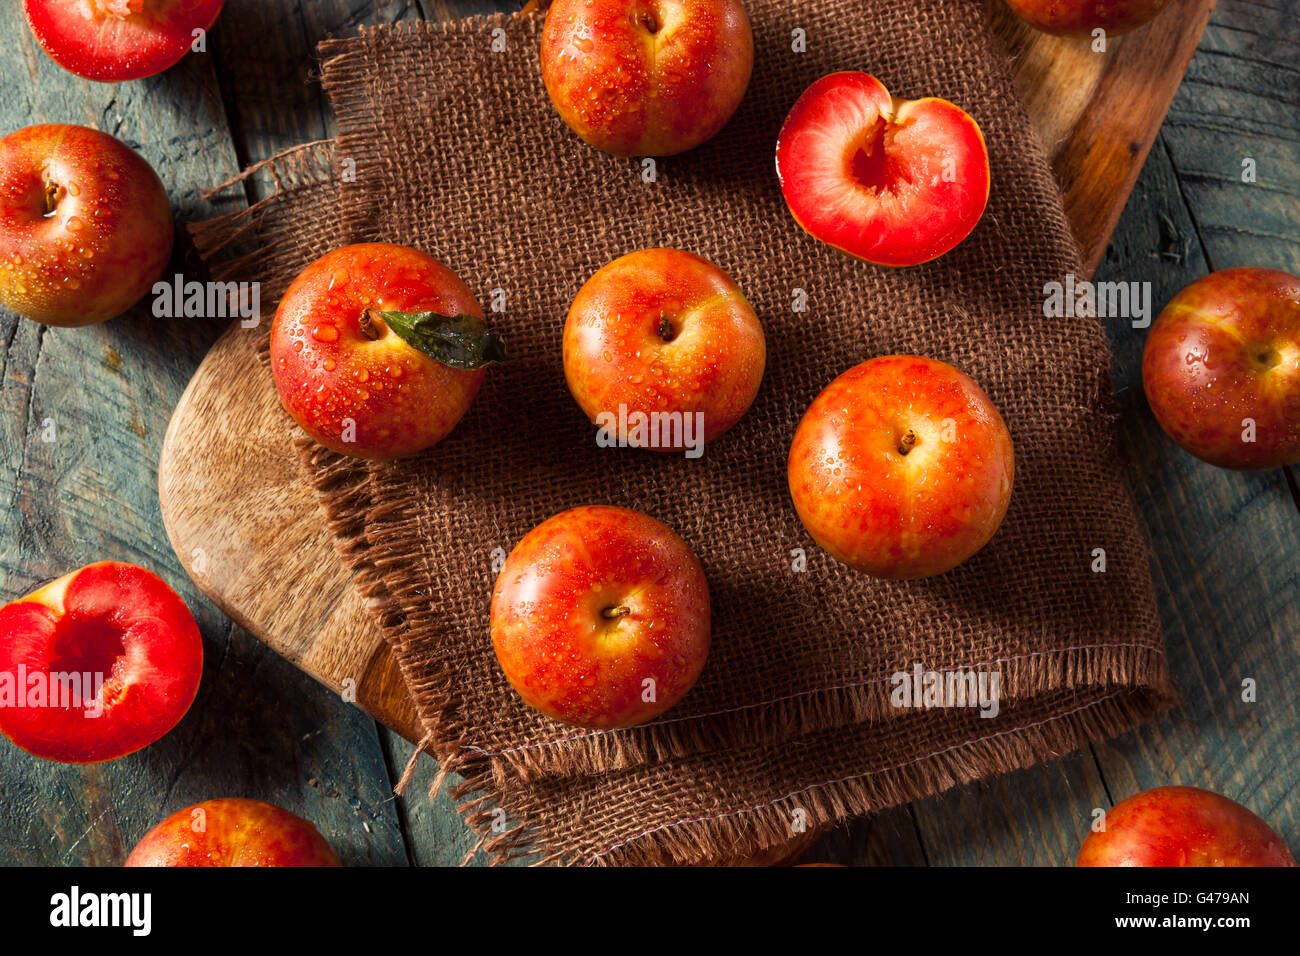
[(894, 182), (96, 665), (117, 40)]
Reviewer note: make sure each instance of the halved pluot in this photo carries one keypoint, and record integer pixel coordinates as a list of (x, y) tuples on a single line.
[(894, 182), (117, 40), (96, 665)]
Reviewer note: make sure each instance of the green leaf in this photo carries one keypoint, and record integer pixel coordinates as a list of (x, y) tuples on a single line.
[(461, 341)]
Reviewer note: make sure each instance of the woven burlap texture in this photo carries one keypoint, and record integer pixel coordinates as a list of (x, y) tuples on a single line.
[(448, 143)]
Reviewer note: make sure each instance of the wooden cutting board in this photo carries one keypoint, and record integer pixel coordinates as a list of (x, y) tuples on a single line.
[(237, 507)]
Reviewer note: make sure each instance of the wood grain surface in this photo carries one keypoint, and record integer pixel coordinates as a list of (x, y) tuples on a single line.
[(1225, 547)]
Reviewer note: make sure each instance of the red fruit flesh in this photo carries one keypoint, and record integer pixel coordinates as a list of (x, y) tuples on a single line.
[(117, 40), (121, 625), (894, 182), (233, 832)]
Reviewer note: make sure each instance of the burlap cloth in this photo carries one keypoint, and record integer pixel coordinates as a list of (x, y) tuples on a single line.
[(451, 146)]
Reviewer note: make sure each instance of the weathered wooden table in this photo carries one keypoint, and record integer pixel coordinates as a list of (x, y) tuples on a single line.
[(1226, 547)]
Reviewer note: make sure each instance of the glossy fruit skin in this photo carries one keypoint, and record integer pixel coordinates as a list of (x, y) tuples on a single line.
[(112, 619), (117, 40), (328, 371), (1226, 349), (1079, 17), (892, 182), (615, 354), (1182, 826), (234, 832), (108, 239), (896, 515), (556, 645), (632, 92)]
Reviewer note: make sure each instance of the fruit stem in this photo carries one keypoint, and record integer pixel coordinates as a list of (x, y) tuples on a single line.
[(1269, 358), (613, 613), (53, 195), (666, 329), (907, 442), (368, 325)]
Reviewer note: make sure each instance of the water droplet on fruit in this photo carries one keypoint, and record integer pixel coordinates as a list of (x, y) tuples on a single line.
[(72, 283), (363, 376), (363, 395), (74, 224), (73, 189), (297, 346), (325, 333), (329, 365)]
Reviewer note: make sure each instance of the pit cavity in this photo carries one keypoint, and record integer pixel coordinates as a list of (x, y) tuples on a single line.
[(649, 20), (1267, 356), (87, 646), (869, 157)]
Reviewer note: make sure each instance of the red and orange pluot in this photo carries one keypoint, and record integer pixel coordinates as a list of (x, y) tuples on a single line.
[(646, 77), (894, 182), (600, 617), (233, 832), (1081, 17), (1221, 368), (85, 226), (1182, 826), (664, 331), (377, 350), (902, 467)]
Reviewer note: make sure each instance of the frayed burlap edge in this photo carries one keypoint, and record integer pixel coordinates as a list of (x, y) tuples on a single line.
[(764, 827)]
